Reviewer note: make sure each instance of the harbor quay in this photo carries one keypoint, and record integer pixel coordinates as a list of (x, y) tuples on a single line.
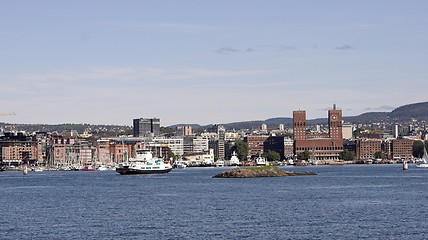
[(334, 142)]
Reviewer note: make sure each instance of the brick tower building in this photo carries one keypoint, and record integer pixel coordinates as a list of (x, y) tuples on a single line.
[(321, 146)]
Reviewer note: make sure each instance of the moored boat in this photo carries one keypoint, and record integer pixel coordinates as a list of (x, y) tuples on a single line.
[(219, 163), (234, 160), (25, 169), (144, 163), (405, 165), (180, 165), (261, 161), (88, 167)]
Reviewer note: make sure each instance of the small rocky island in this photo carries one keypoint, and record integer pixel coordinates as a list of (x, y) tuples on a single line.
[(254, 172)]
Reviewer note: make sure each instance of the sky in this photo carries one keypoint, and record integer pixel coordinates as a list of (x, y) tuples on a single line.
[(208, 62)]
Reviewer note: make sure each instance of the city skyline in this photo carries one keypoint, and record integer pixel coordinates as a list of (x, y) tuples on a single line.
[(108, 62)]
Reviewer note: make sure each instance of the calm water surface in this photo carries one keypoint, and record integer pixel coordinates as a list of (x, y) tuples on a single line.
[(341, 202)]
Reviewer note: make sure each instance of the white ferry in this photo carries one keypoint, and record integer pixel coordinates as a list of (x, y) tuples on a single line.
[(144, 163)]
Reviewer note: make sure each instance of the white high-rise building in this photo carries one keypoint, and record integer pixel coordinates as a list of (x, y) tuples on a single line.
[(396, 131), (264, 127), (347, 131)]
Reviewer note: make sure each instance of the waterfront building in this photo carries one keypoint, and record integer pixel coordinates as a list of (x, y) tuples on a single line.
[(386, 148), (18, 147), (255, 144), (402, 148), (216, 136), (121, 150), (146, 127), (276, 144), (366, 148), (321, 146), (193, 144), (350, 145), (62, 152), (84, 151), (288, 148), (103, 152), (42, 139), (175, 144), (200, 159), (200, 144)]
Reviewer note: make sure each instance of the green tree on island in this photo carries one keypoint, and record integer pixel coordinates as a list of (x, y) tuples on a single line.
[(347, 155), (241, 149), (272, 156)]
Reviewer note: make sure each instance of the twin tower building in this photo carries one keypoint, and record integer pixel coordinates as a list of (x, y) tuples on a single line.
[(321, 146)]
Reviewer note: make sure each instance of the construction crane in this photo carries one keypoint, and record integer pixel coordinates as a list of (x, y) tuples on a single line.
[(7, 113)]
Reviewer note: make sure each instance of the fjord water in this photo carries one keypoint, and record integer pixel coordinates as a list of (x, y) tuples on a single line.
[(341, 202)]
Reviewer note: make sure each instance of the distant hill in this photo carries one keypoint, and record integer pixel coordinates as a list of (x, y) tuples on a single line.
[(401, 114), (407, 112), (368, 117), (97, 129), (404, 113)]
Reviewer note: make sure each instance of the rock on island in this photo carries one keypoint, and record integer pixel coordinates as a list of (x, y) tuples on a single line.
[(253, 172)]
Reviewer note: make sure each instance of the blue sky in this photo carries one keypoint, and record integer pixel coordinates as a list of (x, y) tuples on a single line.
[(109, 61)]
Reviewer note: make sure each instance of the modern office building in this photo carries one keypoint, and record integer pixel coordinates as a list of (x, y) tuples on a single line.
[(184, 131), (146, 127)]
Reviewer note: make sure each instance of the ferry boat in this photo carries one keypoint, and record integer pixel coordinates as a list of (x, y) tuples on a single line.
[(144, 163)]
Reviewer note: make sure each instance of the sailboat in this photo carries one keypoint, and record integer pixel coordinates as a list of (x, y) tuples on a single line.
[(424, 163)]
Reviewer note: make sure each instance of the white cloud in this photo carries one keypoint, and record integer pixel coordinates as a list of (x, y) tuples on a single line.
[(161, 25), (344, 47), (383, 108), (224, 50)]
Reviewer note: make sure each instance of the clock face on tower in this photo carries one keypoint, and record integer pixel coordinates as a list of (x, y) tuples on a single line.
[(333, 117)]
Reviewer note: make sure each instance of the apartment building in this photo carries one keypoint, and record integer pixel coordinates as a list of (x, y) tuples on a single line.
[(402, 148), (366, 148)]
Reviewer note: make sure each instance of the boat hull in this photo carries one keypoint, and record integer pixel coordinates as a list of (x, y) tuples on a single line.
[(422, 165), (133, 171)]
